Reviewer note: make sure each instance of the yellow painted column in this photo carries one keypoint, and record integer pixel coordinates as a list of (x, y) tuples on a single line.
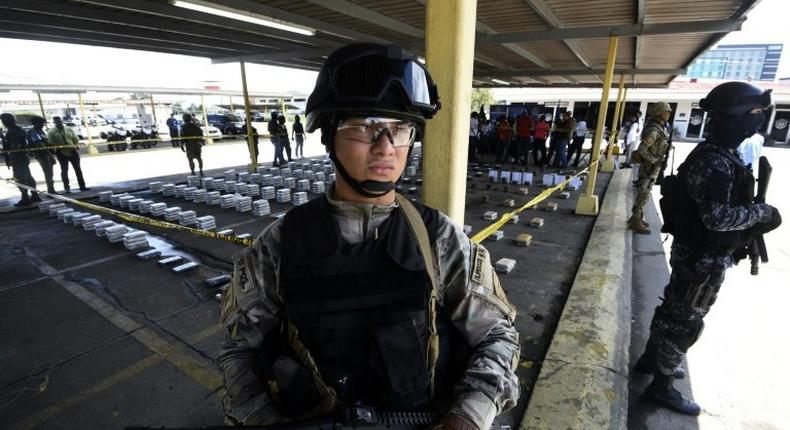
[(608, 165), (209, 140), (231, 103), (449, 53), (41, 106), (153, 109), (91, 147), (617, 150), (588, 202), (248, 117)]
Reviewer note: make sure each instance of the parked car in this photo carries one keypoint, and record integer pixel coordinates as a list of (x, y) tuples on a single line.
[(228, 123)]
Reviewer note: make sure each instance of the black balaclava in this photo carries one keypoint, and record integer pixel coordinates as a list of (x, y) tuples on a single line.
[(730, 130)]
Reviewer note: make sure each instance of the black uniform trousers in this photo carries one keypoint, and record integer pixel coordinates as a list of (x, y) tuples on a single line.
[(74, 159)]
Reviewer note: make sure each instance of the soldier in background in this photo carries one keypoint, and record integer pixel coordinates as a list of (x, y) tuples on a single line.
[(345, 299), (652, 150), (172, 127), (710, 212), (67, 141), (37, 138), (15, 139), (192, 142)]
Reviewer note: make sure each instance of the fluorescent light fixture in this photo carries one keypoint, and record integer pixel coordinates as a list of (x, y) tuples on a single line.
[(253, 18), (499, 81)]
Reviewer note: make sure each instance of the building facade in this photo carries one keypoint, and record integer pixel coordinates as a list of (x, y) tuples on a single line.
[(756, 62)]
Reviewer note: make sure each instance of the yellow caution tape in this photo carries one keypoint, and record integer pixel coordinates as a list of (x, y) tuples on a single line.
[(137, 218), (99, 143), (488, 231)]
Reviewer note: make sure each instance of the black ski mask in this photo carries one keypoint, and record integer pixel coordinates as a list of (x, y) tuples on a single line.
[(729, 131)]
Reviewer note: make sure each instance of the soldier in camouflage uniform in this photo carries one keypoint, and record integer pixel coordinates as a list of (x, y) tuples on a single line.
[(652, 150), (15, 139), (192, 142), (333, 304), (709, 209)]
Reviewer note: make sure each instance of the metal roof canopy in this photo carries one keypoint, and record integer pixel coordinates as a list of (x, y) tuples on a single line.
[(81, 89), (522, 42)]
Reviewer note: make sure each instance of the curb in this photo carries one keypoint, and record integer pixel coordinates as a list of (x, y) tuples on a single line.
[(583, 383)]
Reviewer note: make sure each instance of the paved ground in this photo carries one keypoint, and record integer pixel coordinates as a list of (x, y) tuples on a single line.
[(97, 338), (738, 369)]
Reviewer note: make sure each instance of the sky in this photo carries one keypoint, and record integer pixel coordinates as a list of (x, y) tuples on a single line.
[(56, 63)]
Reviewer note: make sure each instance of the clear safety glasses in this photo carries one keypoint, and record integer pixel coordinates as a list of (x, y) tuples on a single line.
[(369, 130)]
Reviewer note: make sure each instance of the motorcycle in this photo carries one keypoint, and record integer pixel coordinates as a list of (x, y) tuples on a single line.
[(147, 134), (116, 134)]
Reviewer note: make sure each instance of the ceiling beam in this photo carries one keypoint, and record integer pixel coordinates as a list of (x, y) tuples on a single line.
[(364, 14), (86, 39), (125, 20), (547, 14), (581, 72), (640, 19), (166, 10), (720, 26), (580, 85), (98, 29), (290, 17)]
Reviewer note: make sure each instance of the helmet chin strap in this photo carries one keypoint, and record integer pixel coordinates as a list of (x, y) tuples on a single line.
[(371, 189)]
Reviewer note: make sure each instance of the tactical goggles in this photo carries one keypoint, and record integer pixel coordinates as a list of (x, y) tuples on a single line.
[(369, 130), (380, 73)]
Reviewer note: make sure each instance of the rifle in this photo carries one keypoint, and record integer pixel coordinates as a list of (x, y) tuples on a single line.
[(351, 417), (757, 251)]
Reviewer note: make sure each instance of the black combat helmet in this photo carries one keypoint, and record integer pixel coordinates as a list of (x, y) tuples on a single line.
[(367, 79), (37, 120), (8, 119), (736, 98), (731, 105), (372, 79)]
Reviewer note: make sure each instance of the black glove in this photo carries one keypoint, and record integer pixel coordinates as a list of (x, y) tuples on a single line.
[(771, 224)]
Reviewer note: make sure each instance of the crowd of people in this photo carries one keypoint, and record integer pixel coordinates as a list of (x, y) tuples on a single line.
[(523, 138)]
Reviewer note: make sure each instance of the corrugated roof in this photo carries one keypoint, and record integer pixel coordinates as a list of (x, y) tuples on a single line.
[(524, 42)]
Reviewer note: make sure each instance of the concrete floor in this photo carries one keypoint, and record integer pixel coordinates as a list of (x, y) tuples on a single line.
[(97, 338)]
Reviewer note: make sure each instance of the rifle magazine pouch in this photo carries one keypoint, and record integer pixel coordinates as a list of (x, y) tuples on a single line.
[(403, 356)]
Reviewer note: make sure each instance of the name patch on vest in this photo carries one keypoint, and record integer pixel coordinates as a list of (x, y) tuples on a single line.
[(481, 257)]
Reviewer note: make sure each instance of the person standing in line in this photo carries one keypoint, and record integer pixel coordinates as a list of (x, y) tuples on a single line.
[(192, 142), (274, 137), (37, 138), (561, 134), (524, 129), (172, 126), (578, 141), (297, 133), (283, 133), (61, 136), (539, 143), (243, 132), (15, 139), (504, 134), (709, 209), (474, 136), (632, 139)]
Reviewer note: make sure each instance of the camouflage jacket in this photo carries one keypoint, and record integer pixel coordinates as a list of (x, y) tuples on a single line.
[(469, 294), (710, 181), (655, 138)]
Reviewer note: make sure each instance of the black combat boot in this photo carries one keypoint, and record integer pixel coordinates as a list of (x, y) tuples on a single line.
[(647, 365), (663, 393), (35, 198)]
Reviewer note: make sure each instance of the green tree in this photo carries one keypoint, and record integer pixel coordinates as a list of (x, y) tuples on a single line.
[(481, 96)]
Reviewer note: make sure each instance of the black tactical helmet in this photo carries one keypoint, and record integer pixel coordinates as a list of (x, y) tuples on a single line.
[(8, 118), (37, 120), (736, 99), (371, 79)]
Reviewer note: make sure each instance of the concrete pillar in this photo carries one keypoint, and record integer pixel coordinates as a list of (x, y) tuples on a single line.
[(209, 140), (91, 147), (41, 106), (616, 150), (231, 103), (449, 53), (248, 117), (608, 165), (588, 202), (153, 109)]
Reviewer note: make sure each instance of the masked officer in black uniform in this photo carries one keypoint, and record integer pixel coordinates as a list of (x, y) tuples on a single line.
[(337, 303), (709, 210), (15, 139), (37, 138)]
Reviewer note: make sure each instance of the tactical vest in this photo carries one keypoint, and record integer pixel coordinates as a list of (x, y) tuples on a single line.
[(681, 213), (361, 310)]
